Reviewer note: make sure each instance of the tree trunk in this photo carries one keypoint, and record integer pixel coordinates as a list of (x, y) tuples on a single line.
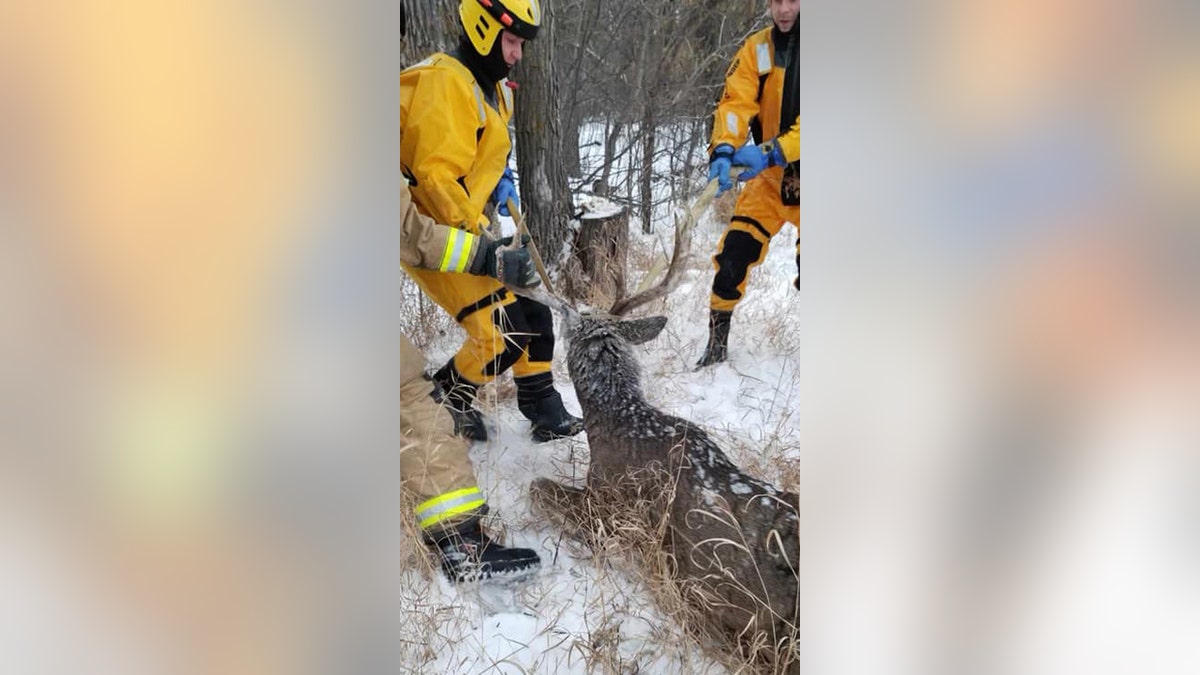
[(545, 194), (571, 51), (613, 130), (431, 26), (647, 188), (570, 146), (651, 53), (599, 257)]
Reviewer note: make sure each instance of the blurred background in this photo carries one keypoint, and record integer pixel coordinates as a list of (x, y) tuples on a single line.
[(197, 358), (999, 371)]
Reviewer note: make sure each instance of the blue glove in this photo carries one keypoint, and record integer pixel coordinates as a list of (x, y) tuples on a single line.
[(757, 157), (505, 190), (718, 166)]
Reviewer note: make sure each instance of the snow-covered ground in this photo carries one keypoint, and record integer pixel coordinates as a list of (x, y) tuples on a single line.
[(581, 612)]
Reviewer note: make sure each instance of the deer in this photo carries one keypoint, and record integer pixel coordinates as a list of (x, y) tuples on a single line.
[(731, 541)]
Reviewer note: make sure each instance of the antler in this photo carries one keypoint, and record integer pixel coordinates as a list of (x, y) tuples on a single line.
[(645, 293), (683, 240)]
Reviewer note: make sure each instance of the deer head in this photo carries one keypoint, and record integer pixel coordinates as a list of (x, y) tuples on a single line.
[(598, 356)]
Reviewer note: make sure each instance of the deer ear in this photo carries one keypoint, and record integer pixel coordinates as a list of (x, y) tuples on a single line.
[(637, 331)]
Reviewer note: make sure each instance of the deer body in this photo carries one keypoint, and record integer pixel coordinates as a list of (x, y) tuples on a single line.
[(733, 537)]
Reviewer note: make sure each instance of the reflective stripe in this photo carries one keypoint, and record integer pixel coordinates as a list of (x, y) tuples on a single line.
[(731, 123), (507, 91), (479, 102), (763, 54), (458, 251), (448, 505), (422, 64)]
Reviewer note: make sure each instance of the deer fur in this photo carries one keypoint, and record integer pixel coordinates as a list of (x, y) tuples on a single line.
[(733, 538)]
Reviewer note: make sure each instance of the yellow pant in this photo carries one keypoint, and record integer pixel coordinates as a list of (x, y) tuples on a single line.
[(758, 215), (503, 331)]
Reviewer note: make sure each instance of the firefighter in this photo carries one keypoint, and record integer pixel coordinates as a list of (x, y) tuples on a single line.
[(434, 466), (454, 115), (761, 100)]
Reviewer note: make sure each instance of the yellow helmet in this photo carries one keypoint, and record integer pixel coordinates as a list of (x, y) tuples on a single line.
[(484, 19)]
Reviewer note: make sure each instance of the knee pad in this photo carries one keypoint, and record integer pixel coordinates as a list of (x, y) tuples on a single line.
[(540, 320), (739, 251), (510, 321)]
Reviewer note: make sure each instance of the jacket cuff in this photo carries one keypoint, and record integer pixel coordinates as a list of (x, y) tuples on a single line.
[(774, 153), (722, 150), (479, 253)]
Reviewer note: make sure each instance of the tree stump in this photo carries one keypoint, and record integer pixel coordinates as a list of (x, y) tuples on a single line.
[(600, 253)]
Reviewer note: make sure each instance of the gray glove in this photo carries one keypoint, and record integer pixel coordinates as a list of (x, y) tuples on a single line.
[(497, 258)]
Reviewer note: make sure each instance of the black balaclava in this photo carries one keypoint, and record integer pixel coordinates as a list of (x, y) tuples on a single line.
[(489, 68), (785, 43)]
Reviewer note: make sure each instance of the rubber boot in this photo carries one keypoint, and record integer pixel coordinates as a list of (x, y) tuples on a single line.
[(718, 338), (458, 395), (540, 402), (467, 554)]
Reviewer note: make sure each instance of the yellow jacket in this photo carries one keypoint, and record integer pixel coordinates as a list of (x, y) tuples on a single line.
[(454, 143), (754, 67)]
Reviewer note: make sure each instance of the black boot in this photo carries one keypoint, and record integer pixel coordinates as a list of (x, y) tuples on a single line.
[(718, 338), (542, 405), (470, 555), (458, 395), (797, 283)]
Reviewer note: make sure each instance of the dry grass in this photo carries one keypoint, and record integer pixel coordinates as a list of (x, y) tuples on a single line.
[(419, 614), (625, 527), (422, 320), (622, 536)]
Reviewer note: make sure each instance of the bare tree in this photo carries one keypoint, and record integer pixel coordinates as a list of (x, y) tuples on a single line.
[(431, 26), (642, 76), (649, 73), (545, 194)]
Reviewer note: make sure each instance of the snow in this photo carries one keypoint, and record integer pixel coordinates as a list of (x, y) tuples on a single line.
[(581, 610), (594, 207)]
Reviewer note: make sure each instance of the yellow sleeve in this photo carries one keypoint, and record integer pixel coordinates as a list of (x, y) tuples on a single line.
[(438, 145), (731, 121), (425, 243), (789, 143)]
